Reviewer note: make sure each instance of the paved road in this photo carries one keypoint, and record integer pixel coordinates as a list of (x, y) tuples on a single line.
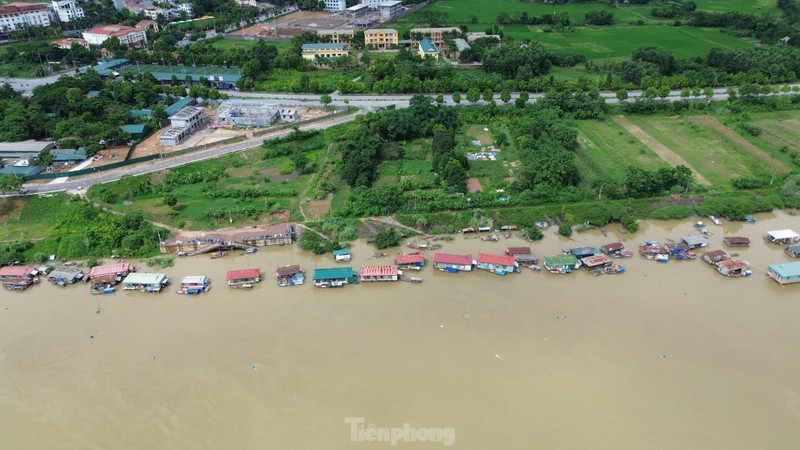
[(85, 181)]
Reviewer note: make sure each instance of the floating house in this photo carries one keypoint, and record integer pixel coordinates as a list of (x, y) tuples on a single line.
[(734, 268), (793, 251), (342, 255), (695, 241), (18, 278), (786, 273), (612, 249), (243, 278), (583, 252), (145, 282), (292, 275), (111, 273), (592, 263), (334, 277), (379, 273), (499, 264), (782, 237), (452, 263), (561, 264), (736, 241), (522, 255), (652, 250), (715, 257), (679, 250), (64, 277), (410, 260), (194, 284)]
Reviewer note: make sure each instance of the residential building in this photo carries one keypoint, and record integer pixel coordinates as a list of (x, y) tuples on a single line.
[(243, 277), (147, 25), (244, 113), (289, 115), (500, 264), (313, 51), (337, 36), (372, 4), (67, 10), (786, 273), (66, 43), (173, 136), (126, 35), (434, 34), (390, 9), (18, 14), (335, 5), (427, 48), (452, 263), (187, 8), (246, 3), (381, 38)]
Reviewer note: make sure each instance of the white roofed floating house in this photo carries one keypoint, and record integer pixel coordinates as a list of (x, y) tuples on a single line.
[(194, 284), (342, 255), (782, 237), (145, 282)]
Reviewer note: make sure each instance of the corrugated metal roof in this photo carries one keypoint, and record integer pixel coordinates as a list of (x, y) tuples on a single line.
[(786, 270), (413, 258), (333, 273), (518, 251), (144, 278), (596, 260), (378, 271), (783, 234), (447, 258), (499, 260), (194, 279), (288, 270), (243, 274), (16, 271), (110, 269)]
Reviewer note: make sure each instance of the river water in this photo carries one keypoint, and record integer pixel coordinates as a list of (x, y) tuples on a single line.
[(671, 356)]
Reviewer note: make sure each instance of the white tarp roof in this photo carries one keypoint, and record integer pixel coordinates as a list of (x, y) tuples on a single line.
[(783, 234)]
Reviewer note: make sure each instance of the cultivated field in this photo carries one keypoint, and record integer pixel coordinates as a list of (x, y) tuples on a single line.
[(593, 42), (780, 134), (705, 147), (745, 6)]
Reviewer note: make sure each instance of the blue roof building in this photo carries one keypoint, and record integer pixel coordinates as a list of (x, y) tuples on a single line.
[(785, 273), (428, 48), (137, 131), (111, 67)]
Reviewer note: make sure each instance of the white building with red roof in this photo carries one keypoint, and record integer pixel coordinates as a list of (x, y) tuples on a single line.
[(497, 263), (126, 35), (18, 14), (379, 273), (411, 259), (451, 263)]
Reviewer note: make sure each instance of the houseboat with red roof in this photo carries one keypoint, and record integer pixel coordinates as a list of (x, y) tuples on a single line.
[(104, 278), (379, 273), (410, 261), (497, 264), (292, 275), (736, 241), (243, 279), (18, 278)]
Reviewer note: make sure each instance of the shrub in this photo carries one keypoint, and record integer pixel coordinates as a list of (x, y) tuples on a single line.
[(565, 229), (672, 212), (388, 238)]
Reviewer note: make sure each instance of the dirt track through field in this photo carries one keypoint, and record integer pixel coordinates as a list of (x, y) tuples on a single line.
[(735, 139), (660, 149)]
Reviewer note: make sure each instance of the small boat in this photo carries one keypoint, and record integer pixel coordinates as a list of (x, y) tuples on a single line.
[(216, 255), (412, 280), (603, 231), (491, 238), (379, 255), (714, 219), (502, 273), (507, 235), (181, 253), (750, 219), (241, 286), (542, 225), (535, 267), (451, 270), (251, 250), (625, 254), (661, 257), (410, 268)]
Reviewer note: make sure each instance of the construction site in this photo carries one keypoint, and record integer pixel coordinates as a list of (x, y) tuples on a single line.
[(299, 22)]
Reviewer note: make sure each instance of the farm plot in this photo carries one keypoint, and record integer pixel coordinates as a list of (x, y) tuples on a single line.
[(704, 149), (745, 6), (607, 149), (780, 134)]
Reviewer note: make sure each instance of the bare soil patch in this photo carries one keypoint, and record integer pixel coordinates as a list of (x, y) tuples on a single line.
[(660, 149), (275, 176), (318, 208), (294, 24), (474, 185), (732, 137)]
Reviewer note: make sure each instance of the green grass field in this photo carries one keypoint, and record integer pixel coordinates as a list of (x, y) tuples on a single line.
[(606, 150), (282, 80), (31, 218), (780, 134), (619, 42), (745, 6), (703, 148), (231, 44)]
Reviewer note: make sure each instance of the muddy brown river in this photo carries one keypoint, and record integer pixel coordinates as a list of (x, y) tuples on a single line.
[(664, 356)]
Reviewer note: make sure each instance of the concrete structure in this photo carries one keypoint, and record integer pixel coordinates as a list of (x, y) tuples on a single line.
[(355, 11), (314, 51), (147, 25), (67, 43), (390, 9), (126, 35), (337, 36), (381, 38), (436, 35), (427, 48), (289, 115), (67, 10), (461, 45), (372, 4), (173, 136), (187, 8), (23, 149), (18, 14), (190, 117), (335, 5), (246, 3), (179, 105), (243, 113)]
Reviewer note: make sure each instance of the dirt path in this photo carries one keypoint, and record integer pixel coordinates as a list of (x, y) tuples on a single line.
[(735, 139), (660, 149), (389, 220)]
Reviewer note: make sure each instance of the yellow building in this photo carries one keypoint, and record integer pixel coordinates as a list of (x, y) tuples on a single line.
[(327, 51), (380, 38), (337, 36), (436, 35)]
